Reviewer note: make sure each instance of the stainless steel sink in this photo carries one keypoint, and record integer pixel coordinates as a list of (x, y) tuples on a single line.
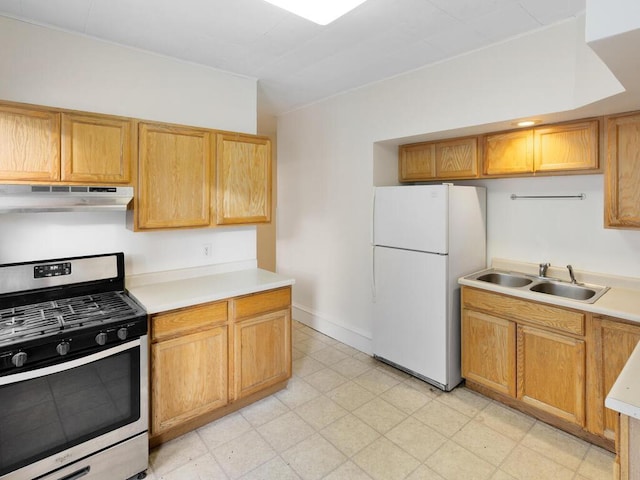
[(505, 279), (569, 290), (585, 293)]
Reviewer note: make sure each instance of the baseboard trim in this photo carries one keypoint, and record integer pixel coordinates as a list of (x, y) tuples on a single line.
[(349, 336)]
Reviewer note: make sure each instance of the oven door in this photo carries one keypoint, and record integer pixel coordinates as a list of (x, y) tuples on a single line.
[(53, 416)]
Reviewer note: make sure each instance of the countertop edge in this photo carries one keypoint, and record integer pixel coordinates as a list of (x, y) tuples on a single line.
[(624, 396), (170, 295)]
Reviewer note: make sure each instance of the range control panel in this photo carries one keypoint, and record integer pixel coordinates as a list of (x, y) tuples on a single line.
[(52, 270)]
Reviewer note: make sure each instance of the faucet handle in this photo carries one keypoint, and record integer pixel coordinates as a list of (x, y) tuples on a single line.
[(542, 269), (571, 274)]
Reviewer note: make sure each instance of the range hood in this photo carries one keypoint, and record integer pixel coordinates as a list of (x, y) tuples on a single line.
[(63, 198)]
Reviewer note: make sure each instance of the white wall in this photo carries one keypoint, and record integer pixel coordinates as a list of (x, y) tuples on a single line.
[(50, 67), (326, 171)]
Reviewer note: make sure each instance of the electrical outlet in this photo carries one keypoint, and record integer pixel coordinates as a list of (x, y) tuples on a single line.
[(206, 250)]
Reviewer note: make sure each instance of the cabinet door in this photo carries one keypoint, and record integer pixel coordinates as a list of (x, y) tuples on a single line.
[(622, 172), (508, 153), (457, 158), (417, 162), (174, 177), (614, 341), (566, 147), (96, 148), (188, 377), (243, 179), (29, 144), (489, 351), (262, 352), (551, 373)]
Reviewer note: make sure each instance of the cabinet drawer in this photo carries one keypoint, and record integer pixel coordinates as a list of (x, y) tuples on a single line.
[(264, 302), (186, 320), (525, 311)]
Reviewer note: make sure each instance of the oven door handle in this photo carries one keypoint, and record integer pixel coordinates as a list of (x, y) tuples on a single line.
[(61, 367)]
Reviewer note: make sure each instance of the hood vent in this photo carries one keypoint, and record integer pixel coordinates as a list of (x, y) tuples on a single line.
[(63, 198)]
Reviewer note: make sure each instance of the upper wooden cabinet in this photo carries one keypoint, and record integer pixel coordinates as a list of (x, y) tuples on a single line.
[(174, 169), (96, 148), (562, 148), (622, 172), (570, 146), (451, 159), (554, 148), (243, 179), (29, 144), (508, 153)]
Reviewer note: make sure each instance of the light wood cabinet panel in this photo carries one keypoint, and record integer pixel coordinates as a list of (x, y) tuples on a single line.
[(188, 320), (262, 352), (243, 179), (29, 144), (572, 146), (489, 351), (622, 172), (174, 168), (457, 158), (614, 342), (551, 373), (526, 311), (264, 302), (188, 377), (417, 162), (96, 148), (508, 153)]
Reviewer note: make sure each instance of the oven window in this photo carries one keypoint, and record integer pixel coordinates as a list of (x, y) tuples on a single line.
[(47, 415)]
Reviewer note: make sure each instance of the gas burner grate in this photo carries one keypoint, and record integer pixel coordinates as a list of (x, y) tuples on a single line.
[(46, 318)]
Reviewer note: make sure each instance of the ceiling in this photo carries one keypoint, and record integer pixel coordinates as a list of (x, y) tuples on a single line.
[(295, 61)]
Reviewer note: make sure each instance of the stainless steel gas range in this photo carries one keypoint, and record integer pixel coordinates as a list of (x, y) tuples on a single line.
[(73, 371)]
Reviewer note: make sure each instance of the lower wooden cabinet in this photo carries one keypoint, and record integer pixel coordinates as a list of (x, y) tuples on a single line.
[(540, 359), (551, 373), (209, 360), (262, 352), (489, 351), (262, 340), (188, 377), (613, 341)]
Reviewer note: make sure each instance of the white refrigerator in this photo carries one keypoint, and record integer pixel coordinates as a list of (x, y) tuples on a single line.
[(424, 237)]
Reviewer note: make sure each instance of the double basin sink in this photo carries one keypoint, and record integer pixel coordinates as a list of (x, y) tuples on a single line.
[(581, 292)]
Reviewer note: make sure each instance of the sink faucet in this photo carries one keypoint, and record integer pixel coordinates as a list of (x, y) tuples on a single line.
[(542, 269), (573, 277)]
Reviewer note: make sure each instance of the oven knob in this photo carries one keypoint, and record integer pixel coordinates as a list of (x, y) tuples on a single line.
[(63, 348), (122, 333), (19, 359), (101, 338)]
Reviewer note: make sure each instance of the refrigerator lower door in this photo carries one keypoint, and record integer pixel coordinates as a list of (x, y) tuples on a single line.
[(410, 312)]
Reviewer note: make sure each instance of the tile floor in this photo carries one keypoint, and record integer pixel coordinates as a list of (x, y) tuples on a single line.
[(346, 416)]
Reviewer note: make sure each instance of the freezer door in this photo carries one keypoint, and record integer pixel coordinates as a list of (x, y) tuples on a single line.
[(410, 311), (412, 217)]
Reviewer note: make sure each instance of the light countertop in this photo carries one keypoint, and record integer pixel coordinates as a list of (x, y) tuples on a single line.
[(622, 300), (168, 292), (624, 396)]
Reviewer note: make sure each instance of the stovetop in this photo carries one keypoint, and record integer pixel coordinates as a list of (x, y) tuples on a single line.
[(22, 323)]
